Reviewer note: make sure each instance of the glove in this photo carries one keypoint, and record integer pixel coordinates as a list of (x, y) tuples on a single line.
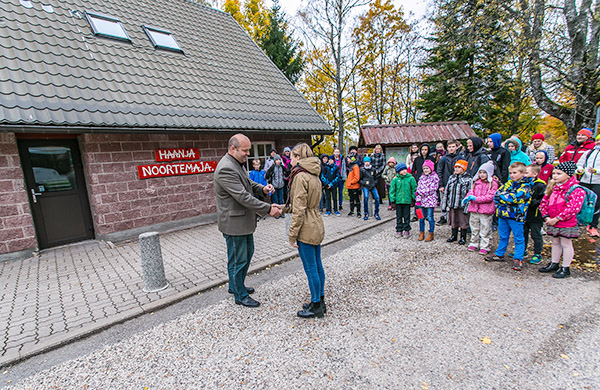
[(467, 200)]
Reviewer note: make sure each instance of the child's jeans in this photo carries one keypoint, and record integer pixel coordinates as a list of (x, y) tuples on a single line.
[(428, 215), (331, 200), (354, 195), (366, 192), (402, 217), (505, 226), (277, 196), (536, 234), (481, 230)]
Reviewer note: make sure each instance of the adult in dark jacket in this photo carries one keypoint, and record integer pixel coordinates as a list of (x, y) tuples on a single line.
[(378, 162), (583, 143), (445, 169), (476, 156), (500, 157), (424, 154), (237, 207)]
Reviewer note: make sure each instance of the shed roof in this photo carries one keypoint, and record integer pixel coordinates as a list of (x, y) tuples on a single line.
[(55, 73), (409, 133)]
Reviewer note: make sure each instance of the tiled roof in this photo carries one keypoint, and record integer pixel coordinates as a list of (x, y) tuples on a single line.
[(55, 73), (410, 133)]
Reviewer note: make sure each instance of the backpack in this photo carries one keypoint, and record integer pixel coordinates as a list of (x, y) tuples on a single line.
[(585, 215)]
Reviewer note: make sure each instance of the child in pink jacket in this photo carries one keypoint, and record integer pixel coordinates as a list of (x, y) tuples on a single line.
[(560, 215), (481, 208)]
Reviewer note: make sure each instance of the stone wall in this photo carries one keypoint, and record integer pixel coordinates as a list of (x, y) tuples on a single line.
[(16, 224)]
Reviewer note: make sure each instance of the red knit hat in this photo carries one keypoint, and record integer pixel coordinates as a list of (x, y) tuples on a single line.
[(538, 136), (587, 132)]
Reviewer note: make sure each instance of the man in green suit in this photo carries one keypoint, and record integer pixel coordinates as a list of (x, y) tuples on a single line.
[(237, 207)]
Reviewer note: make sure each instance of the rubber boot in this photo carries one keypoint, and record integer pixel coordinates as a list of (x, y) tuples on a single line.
[(549, 268), (463, 237), (563, 272), (454, 235)]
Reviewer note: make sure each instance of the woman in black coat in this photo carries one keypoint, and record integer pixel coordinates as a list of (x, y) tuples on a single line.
[(424, 154)]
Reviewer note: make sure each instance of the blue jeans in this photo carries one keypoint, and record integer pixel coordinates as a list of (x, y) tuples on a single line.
[(341, 185), (428, 214), (277, 197), (373, 191), (239, 253), (313, 267), (505, 226)]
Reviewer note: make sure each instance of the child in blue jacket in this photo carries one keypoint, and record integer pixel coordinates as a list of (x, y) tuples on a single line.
[(330, 177)]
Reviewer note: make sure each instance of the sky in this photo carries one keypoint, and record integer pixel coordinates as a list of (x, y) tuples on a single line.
[(418, 7)]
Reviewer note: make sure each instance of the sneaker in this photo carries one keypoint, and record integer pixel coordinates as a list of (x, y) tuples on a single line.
[(399, 234), (377, 217), (407, 234), (472, 248), (351, 213), (358, 214), (484, 252), (337, 213), (517, 265), (494, 258), (442, 221), (593, 232), (414, 219), (341, 208), (366, 218), (535, 259), (327, 214)]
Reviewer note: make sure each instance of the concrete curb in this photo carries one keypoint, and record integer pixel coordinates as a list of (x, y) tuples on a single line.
[(88, 330)]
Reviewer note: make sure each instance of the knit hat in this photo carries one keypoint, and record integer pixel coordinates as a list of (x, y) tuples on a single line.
[(429, 164), (488, 167), (568, 167), (277, 157), (286, 149), (586, 131), (538, 136), (461, 163), (391, 160), (367, 159), (401, 167)]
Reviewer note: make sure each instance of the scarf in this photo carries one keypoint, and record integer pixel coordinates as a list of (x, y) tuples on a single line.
[(296, 170)]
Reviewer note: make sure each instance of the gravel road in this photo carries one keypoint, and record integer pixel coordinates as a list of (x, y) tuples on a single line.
[(401, 314)]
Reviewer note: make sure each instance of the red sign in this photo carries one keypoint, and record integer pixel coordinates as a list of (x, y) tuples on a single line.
[(177, 169), (177, 154)]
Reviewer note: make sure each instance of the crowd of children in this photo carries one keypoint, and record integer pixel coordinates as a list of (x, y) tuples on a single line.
[(506, 187)]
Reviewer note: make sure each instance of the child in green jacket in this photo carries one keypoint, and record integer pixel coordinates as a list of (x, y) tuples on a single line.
[(402, 194)]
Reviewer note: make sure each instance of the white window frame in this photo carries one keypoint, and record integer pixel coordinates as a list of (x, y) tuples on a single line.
[(268, 145)]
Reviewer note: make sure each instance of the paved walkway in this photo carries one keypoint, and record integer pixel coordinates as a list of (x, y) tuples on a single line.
[(72, 291)]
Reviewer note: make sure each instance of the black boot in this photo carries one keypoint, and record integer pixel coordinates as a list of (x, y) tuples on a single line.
[(454, 235), (549, 268), (463, 237), (563, 272), (315, 309), (307, 305)]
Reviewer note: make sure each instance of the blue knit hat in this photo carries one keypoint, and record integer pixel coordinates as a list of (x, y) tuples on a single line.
[(367, 159), (400, 167)]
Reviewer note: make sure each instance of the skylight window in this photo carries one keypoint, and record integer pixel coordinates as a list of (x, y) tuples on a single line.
[(107, 26), (162, 39)]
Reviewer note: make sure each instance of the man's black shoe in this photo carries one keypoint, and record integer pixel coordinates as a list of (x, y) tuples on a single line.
[(442, 221), (250, 290), (248, 302)]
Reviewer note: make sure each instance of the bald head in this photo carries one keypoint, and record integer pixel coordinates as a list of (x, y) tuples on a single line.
[(239, 147)]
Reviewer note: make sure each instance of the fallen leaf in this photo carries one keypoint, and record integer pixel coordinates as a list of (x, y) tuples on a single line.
[(562, 355), (486, 340), (507, 367)]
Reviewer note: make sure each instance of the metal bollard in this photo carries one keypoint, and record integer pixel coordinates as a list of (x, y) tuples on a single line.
[(153, 270)]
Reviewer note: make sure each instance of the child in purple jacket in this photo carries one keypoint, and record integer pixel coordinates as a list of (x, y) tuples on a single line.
[(481, 208), (427, 198)]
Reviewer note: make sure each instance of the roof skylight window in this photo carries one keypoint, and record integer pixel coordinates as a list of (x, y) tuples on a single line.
[(107, 26), (162, 39)]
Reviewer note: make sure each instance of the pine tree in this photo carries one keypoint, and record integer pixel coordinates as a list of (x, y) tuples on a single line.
[(280, 47), (468, 78)]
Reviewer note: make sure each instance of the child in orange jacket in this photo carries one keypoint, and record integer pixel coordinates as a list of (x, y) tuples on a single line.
[(353, 185)]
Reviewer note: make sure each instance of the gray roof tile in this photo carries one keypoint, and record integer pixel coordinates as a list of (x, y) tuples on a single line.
[(54, 71)]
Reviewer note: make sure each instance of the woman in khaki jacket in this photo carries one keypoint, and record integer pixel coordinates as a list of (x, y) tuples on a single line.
[(307, 229)]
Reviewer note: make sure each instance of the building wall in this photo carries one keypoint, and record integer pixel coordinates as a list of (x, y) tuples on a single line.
[(17, 232), (120, 201)]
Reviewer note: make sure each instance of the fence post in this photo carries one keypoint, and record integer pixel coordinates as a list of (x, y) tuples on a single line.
[(153, 270)]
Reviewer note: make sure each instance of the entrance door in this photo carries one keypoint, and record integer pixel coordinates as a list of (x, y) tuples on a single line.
[(57, 192)]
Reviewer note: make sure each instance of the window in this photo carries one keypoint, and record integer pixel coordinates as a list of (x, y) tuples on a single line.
[(261, 151), (107, 26), (162, 39)]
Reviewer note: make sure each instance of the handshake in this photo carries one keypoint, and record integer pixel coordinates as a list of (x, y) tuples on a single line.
[(275, 210), (467, 200)]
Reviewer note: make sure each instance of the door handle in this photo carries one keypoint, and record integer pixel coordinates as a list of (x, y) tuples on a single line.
[(35, 195)]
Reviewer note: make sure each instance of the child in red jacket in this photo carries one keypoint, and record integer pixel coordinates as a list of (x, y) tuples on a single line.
[(560, 215)]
